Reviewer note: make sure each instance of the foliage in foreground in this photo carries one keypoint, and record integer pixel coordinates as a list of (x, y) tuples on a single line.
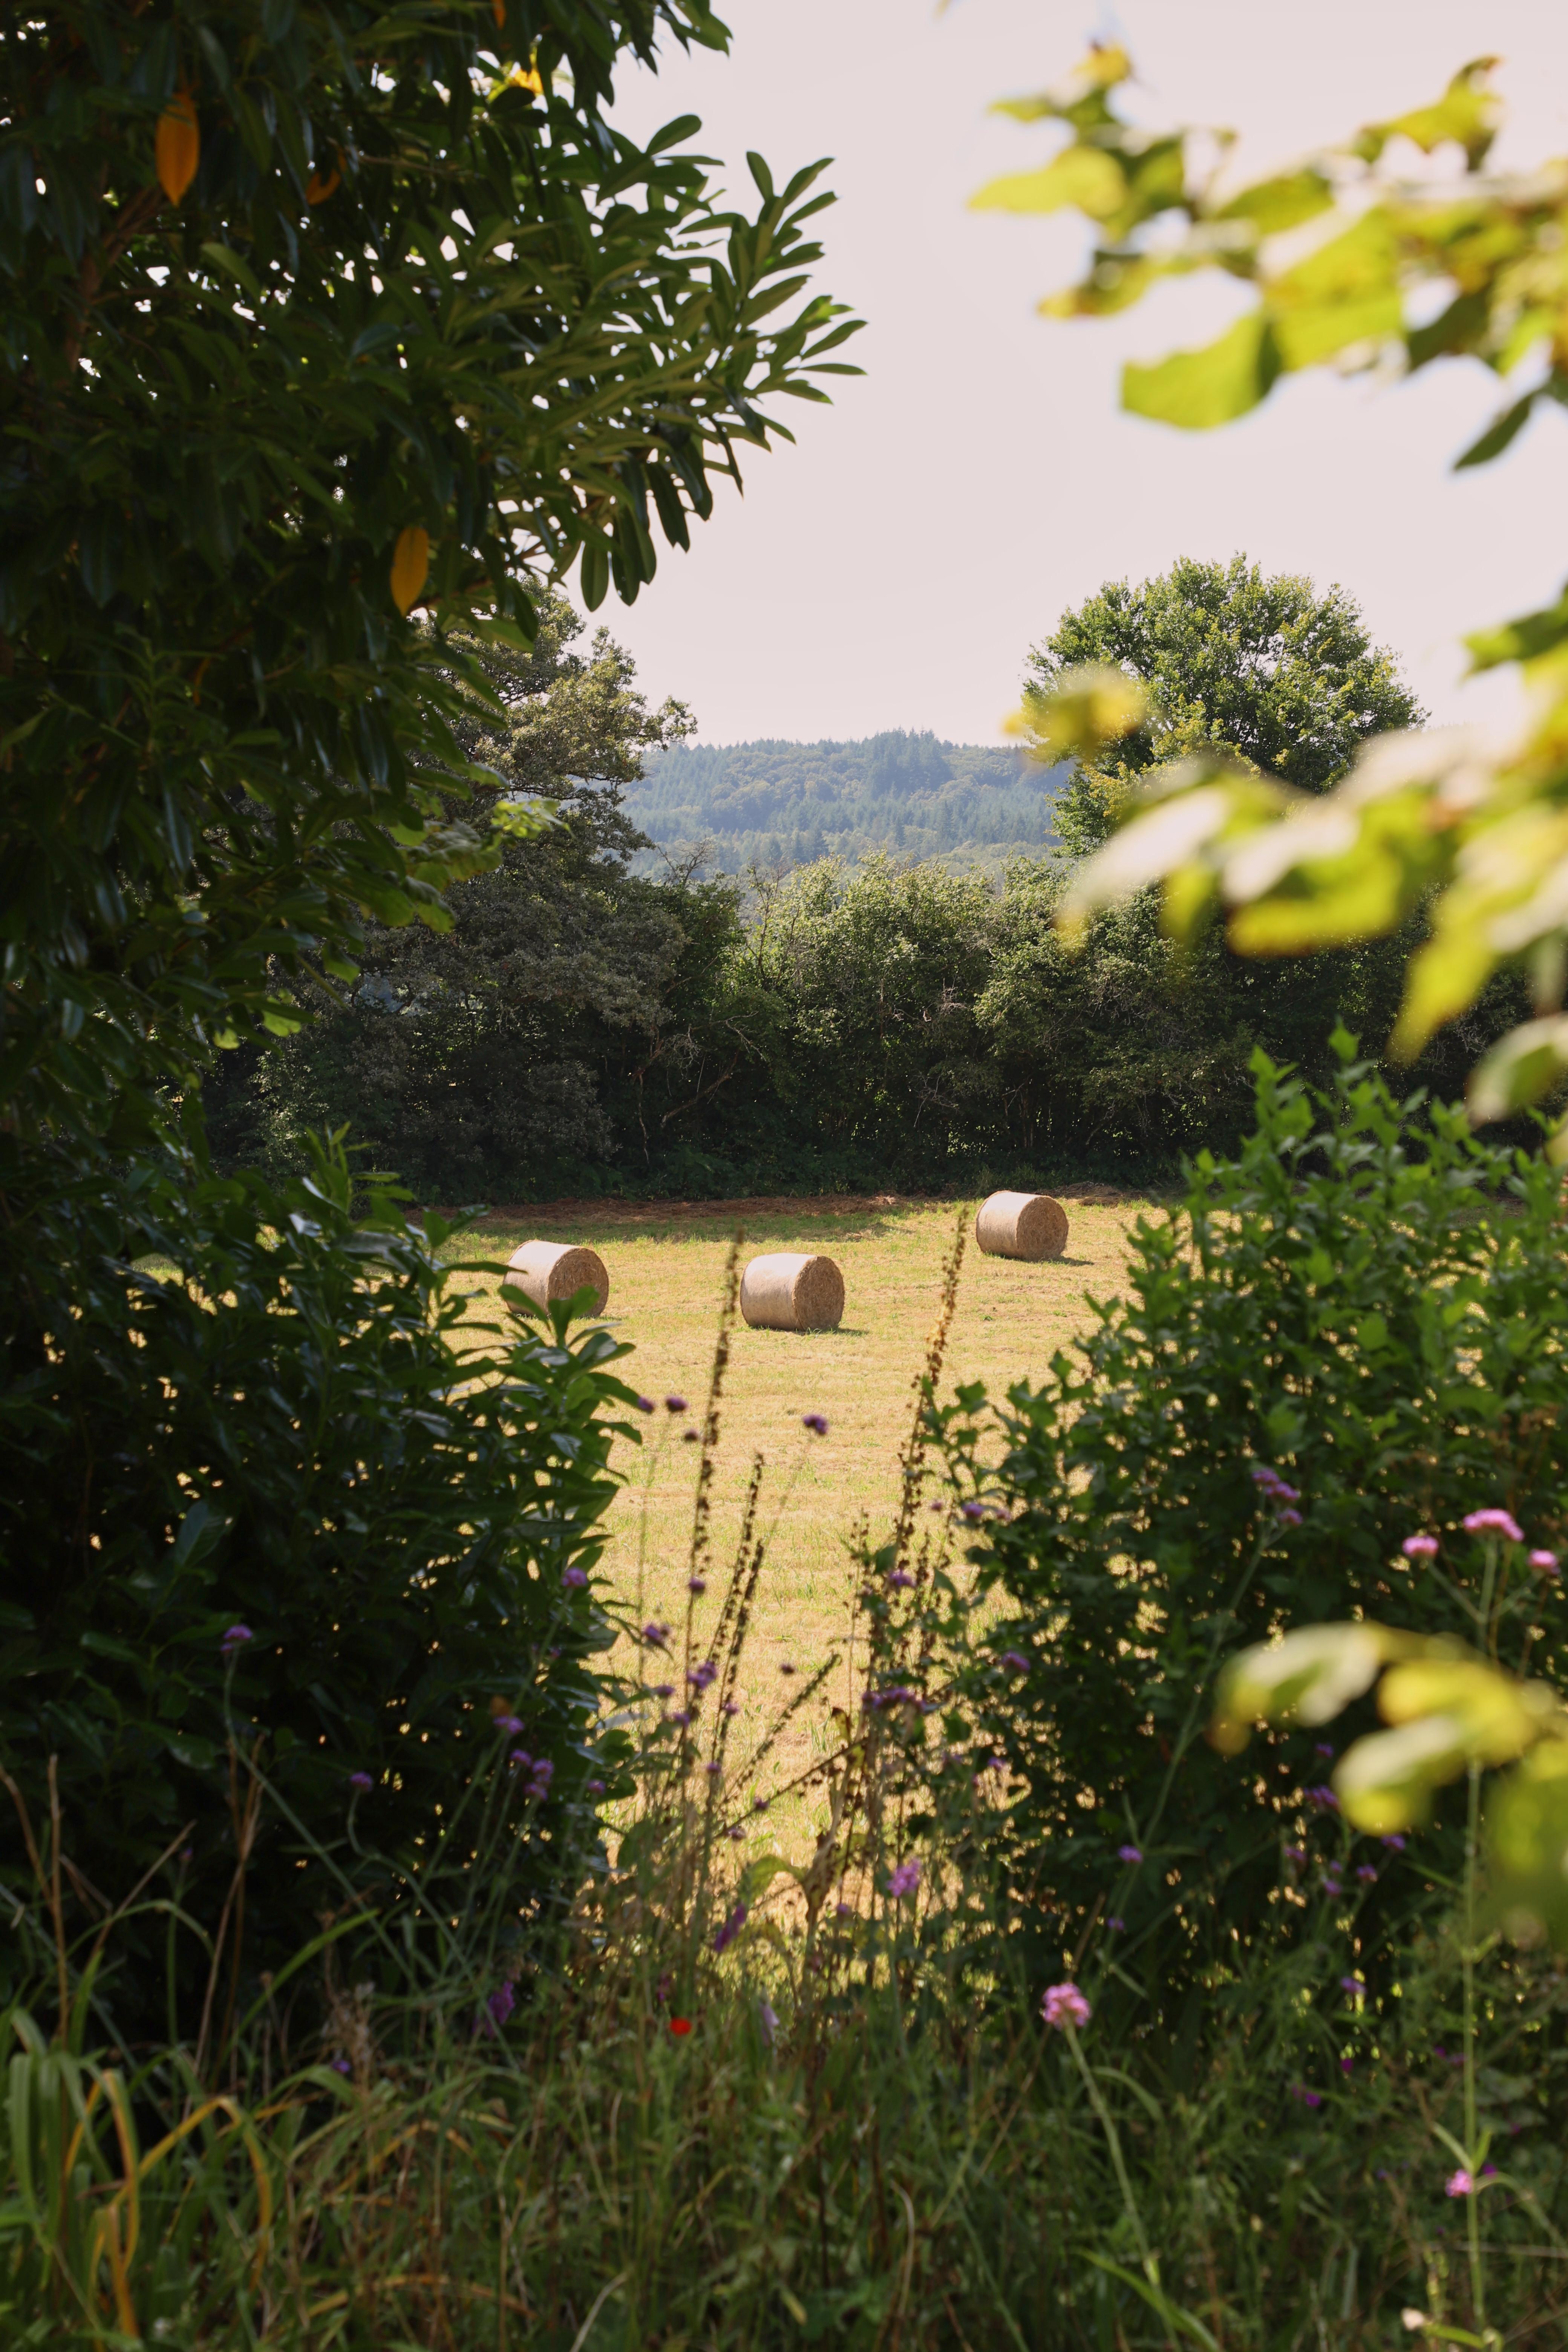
[(1350, 264), (284, 1451), (1351, 1335)]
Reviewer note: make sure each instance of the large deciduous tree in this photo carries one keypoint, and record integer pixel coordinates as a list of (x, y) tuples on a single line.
[(1231, 662)]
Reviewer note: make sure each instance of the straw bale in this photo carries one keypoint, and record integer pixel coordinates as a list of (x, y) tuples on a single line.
[(788, 1291), (550, 1272), (1022, 1224)]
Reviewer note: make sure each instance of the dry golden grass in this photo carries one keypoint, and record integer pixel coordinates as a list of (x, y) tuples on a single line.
[(667, 1269)]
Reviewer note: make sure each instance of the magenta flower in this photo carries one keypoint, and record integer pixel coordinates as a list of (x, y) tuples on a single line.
[(1063, 2005), (1367, 1875), (1461, 2183), (816, 1421), (1494, 1523), (1351, 1985), (645, 1405), (508, 1724), (1128, 1854), (1546, 1561), (655, 1635), (1419, 1547), (361, 1781), (675, 1405), (1114, 1922), (1394, 1842), (1014, 1661), (1347, 2065), (595, 1787), (904, 1879), (520, 1759), (698, 1585), (500, 2003), (901, 1581), (1289, 1518), (235, 1640), (574, 1576)]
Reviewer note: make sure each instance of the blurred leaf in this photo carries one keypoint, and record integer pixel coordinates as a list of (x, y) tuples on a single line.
[(1518, 1070), (1307, 1677), (1085, 176), (1198, 390), (1088, 709), (1281, 204), (1527, 1845)]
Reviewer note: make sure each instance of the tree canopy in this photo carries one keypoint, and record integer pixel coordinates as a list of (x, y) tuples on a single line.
[(317, 318), (1233, 660)]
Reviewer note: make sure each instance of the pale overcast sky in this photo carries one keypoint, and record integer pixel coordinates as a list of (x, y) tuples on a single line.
[(892, 568)]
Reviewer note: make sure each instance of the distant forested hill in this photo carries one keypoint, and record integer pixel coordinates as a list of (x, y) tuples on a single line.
[(787, 803)]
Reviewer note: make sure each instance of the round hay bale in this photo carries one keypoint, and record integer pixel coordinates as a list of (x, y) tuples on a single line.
[(1022, 1224), (551, 1272), (788, 1291)]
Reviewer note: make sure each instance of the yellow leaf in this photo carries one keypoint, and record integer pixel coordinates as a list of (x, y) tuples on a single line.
[(1197, 389), (177, 149), (1084, 176), (1443, 977), (1276, 204), (1307, 1677), (1385, 1782), (1088, 708), (1362, 897), (410, 563)]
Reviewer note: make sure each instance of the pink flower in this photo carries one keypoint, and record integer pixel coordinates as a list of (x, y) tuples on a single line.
[(1492, 1523), (1419, 1547), (1460, 2184), (904, 1879), (1063, 2005), (1546, 1561)]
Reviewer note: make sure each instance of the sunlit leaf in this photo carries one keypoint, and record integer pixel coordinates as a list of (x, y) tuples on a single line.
[(1088, 709), (1281, 204), (1386, 1782), (1197, 389), (1084, 176), (1307, 1677), (1518, 1070)]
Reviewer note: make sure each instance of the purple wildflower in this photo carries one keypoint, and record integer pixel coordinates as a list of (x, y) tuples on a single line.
[(730, 1928), (1395, 1842), (1294, 1853), (1545, 1561), (730, 1706), (361, 1781), (235, 1640), (1014, 1661), (767, 2021), (1324, 1797), (1289, 1518), (974, 1510), (655, 1635), (342, 2067), (712, 1767), (786, 1666), (904, 1879), (702, 1675), (595, 1787), (1063, 2005), (1347, 2065), (816, 1421), (662, 1690), (1128, 1854), (509, 1725), (1114, 1922), (645, 1405), (1351, 1985), (1366, 1873), (500, 2003), (675, 1405), (1494, 1523), (1324, 1747), (901, 1581), (681, 1715), (1419, 1547), (574, 1576), (698, 1585)]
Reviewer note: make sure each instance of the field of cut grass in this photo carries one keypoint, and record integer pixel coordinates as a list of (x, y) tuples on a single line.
[(667, 1263)]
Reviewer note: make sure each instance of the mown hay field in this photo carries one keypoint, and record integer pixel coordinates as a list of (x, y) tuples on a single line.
[(667, 1263)]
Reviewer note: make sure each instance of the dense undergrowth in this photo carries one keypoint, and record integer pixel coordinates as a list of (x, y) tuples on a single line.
[(1008, 2057)]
